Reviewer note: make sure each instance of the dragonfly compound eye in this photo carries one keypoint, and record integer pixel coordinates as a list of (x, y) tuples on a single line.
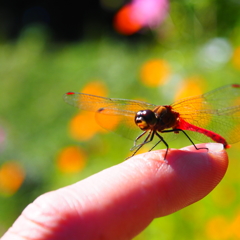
[(145, 119)]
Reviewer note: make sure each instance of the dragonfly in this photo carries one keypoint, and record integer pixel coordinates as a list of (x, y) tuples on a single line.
[(213, 116)]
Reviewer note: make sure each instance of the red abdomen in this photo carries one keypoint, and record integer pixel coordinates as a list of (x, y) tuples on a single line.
[(214, 136)]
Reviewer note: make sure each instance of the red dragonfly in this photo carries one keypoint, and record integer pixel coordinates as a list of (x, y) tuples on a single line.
[(213, 116)]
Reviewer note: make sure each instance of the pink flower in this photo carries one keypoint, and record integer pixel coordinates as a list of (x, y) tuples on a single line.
[(140, 13), (149, 12)]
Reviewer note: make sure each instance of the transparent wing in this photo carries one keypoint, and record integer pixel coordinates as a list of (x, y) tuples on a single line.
[(122, 123), (113, 114), (218, 111), (94, 103)]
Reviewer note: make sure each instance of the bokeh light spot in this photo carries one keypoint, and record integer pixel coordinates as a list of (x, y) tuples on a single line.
[(71, 160), (236, 58), (11, 177), (218, 228), (149, 13), (96, 87), (215, 53), (83, 126), (124, 23), (108, 121), (155, 72), (235, 226), (191, 86)]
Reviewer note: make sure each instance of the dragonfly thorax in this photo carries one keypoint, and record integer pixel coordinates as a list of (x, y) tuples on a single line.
[(166, 118), (145, 119)]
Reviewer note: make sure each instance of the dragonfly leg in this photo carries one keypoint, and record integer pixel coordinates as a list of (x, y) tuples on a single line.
[(180, 130), (137, 147), (192, 141), (138, 137), (161, 140), (151, 135)]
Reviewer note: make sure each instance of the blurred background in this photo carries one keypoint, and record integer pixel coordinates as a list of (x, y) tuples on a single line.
[(156, 50)]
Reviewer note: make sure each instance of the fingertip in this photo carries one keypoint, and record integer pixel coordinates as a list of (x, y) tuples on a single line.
[(215, 152), (122, 200), (214, 147), (188, 175)]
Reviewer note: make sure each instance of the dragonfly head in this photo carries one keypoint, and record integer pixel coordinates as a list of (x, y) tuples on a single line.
[(145, 119)]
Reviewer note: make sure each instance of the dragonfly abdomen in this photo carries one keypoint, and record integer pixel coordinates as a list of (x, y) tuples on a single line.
[(214, 136)]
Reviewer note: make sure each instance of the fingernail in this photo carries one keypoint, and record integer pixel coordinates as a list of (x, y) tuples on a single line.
[(214, 147)]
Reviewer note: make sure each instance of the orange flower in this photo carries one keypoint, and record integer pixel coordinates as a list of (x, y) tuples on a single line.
[(11, 177), (155, 72), (71, 160)]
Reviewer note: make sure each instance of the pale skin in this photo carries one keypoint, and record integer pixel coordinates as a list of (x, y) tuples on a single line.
[(121, 201)]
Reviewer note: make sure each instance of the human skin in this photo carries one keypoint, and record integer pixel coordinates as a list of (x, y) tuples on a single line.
[(121, 201)]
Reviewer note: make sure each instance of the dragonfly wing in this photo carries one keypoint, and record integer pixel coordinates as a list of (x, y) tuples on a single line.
[(112, 114), (122, 122), (93, 103), (217, 111), (118, 121)]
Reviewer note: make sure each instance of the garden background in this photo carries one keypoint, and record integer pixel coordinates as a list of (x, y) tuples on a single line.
[(157, 51)]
